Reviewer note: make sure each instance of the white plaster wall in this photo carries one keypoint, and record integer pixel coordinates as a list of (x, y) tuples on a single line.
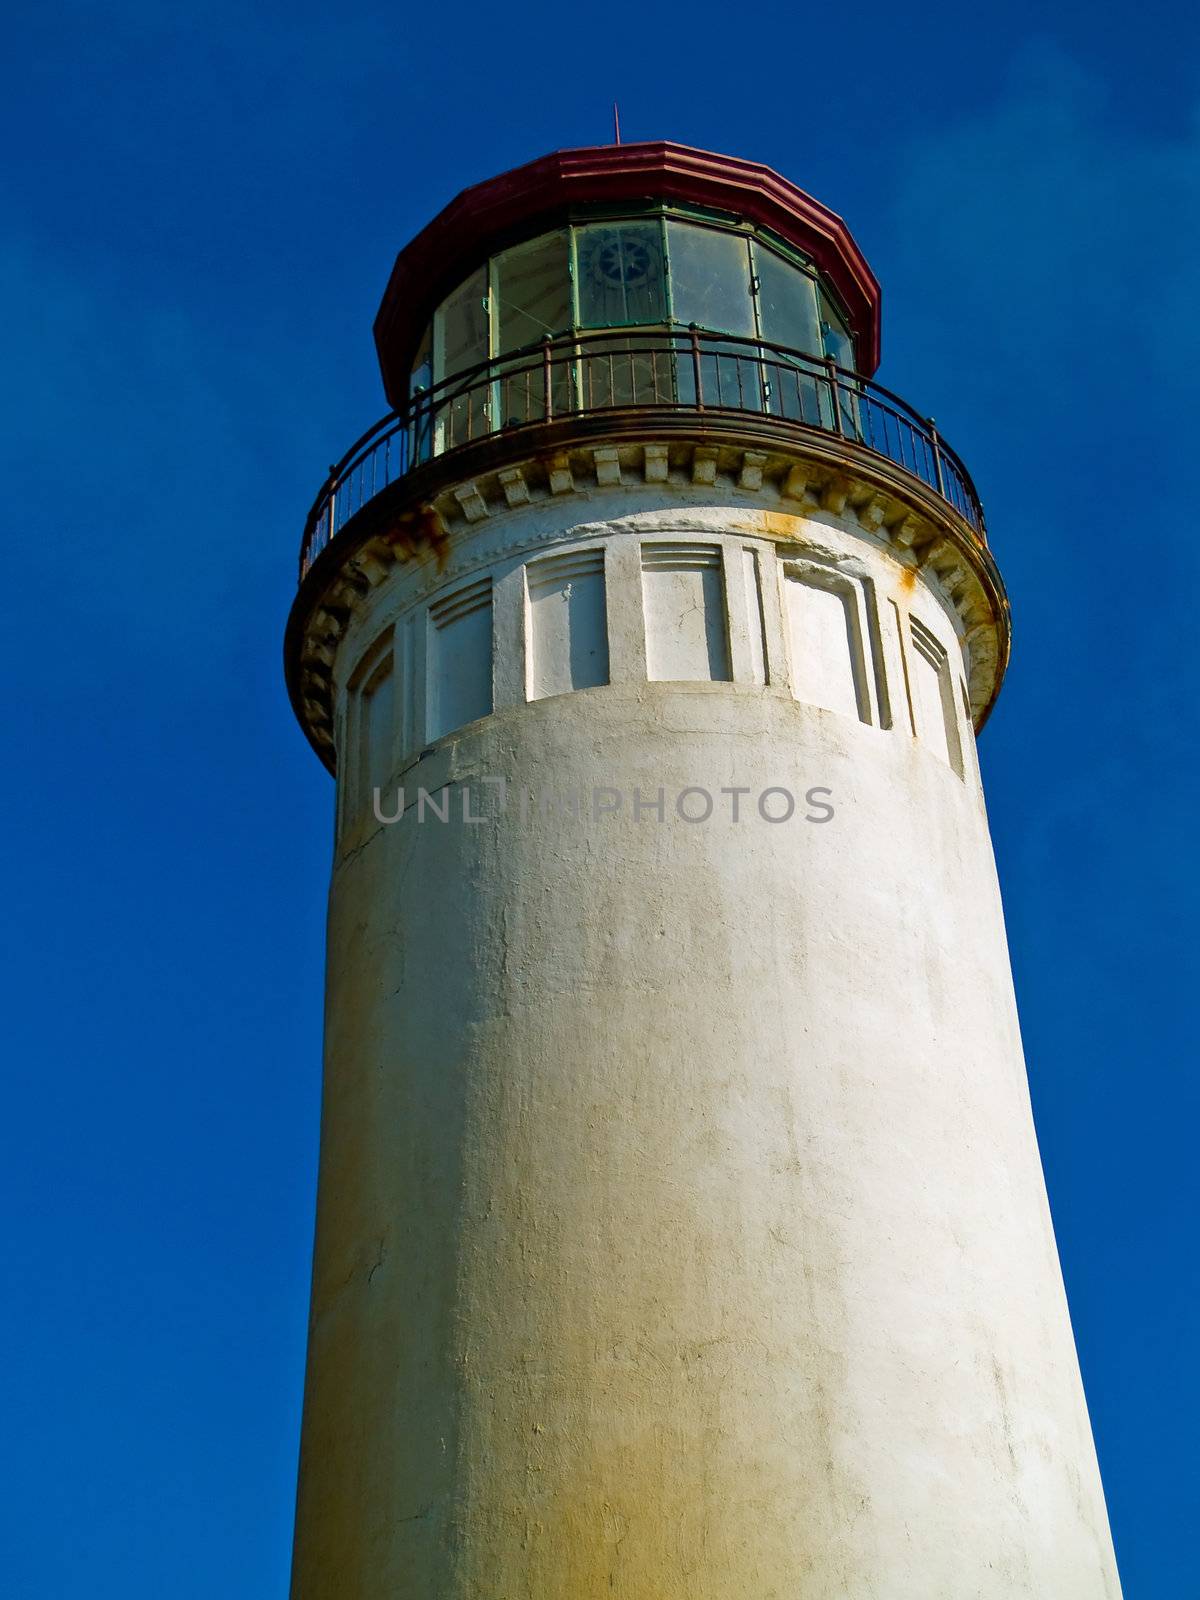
[(682, 1232)]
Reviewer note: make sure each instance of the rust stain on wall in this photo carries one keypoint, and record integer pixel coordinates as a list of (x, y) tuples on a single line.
[(419, 530)]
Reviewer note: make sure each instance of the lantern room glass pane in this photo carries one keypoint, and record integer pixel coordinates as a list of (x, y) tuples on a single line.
[(835, 335), (531, 292), (787, 304), (460, 327), (838, 344), (626, 371), (422, 368), (731, 375), (420, 378), (619, 271), (710, 279), (788, 316)]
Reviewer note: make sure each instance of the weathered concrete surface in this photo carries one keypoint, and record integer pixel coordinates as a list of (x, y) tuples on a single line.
[(682, 1233)]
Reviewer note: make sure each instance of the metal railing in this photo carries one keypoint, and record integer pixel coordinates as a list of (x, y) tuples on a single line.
[(587, 373)]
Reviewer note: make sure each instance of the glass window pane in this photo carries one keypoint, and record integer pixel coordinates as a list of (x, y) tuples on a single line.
[(787, 303), (797, 388), (531, 294), (460, 328), (422, 368), (619, 269), (710, 278), (529, 390), (788, 316), (635, 371), (835, 334), (731, 375), (838, 344), (420, 378)]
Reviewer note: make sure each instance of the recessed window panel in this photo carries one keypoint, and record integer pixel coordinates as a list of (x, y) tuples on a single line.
[(933, 693), (568, 623), (710, 279), (460, 658), (828, 667), (683, 594), (372, 708), (619, 272), (375, 727), (754, 613)]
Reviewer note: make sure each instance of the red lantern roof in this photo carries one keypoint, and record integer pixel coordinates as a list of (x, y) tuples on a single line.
[(520, 203)]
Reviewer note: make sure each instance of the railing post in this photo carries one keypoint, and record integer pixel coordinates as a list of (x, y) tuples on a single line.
[(939, 475), (547, 390), (332, 502), (697, 369), (835, 398), (412, 431)]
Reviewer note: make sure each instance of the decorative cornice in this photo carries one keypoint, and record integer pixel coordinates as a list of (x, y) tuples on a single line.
[(426, 514)]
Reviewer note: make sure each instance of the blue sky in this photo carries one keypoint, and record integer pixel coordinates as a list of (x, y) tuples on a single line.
[(199, 210)]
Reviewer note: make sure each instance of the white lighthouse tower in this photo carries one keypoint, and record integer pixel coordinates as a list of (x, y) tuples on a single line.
[(681, 1228)]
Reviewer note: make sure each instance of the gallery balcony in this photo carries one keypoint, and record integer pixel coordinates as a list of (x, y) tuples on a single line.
[(659, 383)]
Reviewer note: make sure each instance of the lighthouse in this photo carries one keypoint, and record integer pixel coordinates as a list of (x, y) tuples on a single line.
[(681, 1227)]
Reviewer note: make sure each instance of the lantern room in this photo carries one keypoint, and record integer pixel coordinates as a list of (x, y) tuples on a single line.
[(641, 237), (649, 268)]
